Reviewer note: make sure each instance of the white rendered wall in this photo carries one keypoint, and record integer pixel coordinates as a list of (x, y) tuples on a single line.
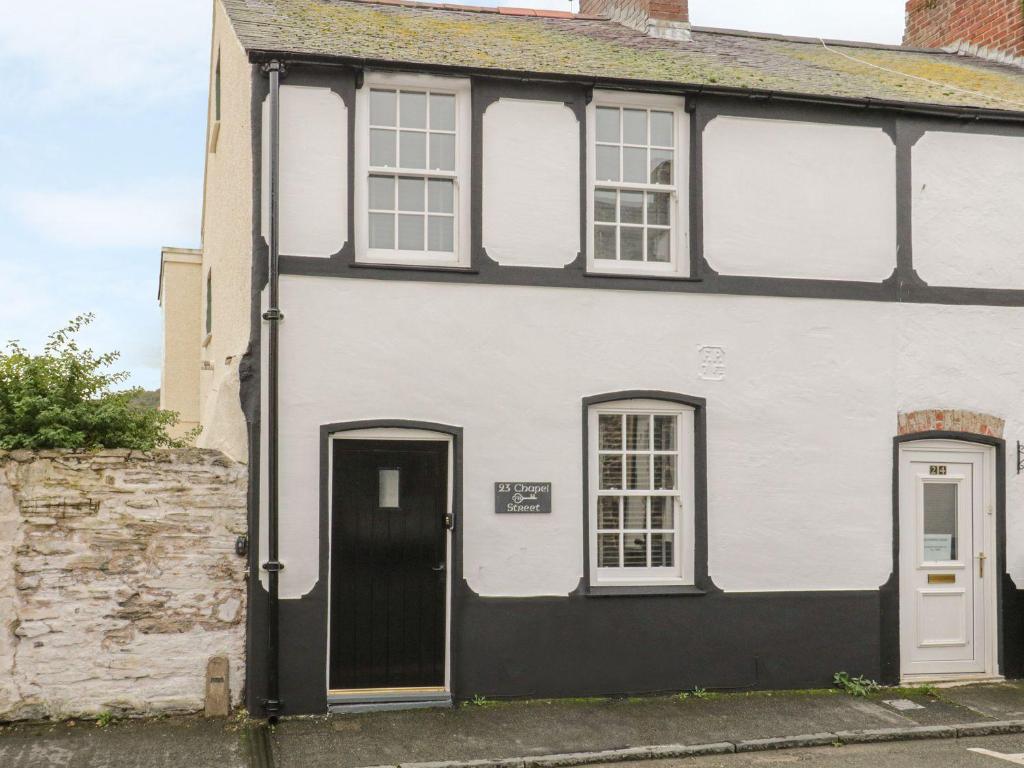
[(799, 429), (531, 183), (793, 199), (969, 210), (313, 168)]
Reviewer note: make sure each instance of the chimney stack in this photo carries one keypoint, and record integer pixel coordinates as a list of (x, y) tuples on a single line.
[(991, 29), (658, 18)]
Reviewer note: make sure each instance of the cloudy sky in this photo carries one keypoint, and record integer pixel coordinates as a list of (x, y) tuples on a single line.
[(101, 143)]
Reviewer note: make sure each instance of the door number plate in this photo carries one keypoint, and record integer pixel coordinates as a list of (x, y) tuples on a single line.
[(937, 469)]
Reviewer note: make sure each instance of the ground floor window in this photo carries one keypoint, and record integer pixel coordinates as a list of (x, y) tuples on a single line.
[(641, 493)]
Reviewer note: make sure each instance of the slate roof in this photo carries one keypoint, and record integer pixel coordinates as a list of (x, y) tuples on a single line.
[(553, 44)]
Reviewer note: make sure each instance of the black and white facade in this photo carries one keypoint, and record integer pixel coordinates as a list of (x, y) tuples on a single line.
[(593, 389)]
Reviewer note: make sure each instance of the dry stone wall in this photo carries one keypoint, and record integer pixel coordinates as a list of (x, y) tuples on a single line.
[(118, 580)]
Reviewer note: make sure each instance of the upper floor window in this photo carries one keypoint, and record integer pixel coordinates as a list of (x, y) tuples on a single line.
[(641, 493), (208, 325), (637, 161), (413, 183)]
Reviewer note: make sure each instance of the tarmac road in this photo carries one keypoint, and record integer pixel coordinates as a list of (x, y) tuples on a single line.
[(940, 753)]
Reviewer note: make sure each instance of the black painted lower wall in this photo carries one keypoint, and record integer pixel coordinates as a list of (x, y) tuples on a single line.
[(584, 646)]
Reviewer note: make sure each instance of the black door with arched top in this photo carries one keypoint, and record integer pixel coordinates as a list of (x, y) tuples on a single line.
[(388, 556)]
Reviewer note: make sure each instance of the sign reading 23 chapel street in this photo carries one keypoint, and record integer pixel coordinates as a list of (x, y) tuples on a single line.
[(522, 497)]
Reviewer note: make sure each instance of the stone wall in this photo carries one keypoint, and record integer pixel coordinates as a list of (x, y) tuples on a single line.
[(118, 580)]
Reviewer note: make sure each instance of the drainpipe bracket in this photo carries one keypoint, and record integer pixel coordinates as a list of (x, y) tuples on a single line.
[(273, 314), (273, 566), (274, 66)]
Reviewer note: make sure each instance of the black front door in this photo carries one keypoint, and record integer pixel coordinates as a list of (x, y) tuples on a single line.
[(388, 554)]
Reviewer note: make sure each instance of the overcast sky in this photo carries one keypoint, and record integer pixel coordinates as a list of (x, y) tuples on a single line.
[(101, 143)]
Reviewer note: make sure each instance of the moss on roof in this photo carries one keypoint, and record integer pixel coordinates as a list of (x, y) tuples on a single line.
[(602, 49)]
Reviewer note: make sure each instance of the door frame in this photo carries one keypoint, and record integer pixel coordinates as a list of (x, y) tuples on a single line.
[(392, 431), (992, 453)]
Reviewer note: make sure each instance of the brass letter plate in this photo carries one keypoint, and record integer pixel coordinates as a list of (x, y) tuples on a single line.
[(942, 578)]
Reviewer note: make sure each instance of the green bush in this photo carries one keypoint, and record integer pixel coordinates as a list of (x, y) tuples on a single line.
[(65, 398)]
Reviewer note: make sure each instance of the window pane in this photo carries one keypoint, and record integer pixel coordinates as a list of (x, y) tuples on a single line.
[(634, 512), (662, 546), (604, 243), (631, 207), (382, 230), (410, 194), (658, 207), (413, 109), (634, 126), (608, 512), (638, 433), (604, 205), (440, 196), (658, 241), (634, 550), (442, 151), (634, 164), (382, 192), (664, 433), (441, 234), (412, 149), (661, 129), (940, 514), (661, 512), (607, 163), (665, 473), (661, 166), (382, 107), (382, 148), (631, 244), (608, 124), (387, 488), (608, 550), (611, 473), (609, 429), (638, 472), (442, 112), (410, 233)]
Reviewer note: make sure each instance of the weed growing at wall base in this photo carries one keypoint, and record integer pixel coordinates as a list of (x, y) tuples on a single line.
[(855, 686), (65, 398)]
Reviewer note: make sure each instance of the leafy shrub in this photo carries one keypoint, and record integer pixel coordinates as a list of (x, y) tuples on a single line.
[(855, 686), (65, 398)]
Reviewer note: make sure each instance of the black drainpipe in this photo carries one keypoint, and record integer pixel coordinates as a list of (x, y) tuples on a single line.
[(273, 566)]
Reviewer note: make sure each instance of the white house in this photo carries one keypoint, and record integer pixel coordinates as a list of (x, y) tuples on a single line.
[(603, 354)]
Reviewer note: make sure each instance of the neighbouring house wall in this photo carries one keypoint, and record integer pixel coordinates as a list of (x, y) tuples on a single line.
[(227, 243), (985, 27), (181, 294), (118, 580)]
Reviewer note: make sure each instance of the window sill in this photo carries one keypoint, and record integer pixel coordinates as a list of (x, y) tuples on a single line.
[(415, 267), (206, 340), (666, 276), (644, 590)]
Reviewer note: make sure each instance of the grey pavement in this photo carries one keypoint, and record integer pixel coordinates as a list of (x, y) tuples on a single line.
[(533, 729), (180, 742), (524, 729)]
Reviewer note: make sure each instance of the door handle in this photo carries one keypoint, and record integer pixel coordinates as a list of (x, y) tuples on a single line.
[(438, 568), (981, 564)]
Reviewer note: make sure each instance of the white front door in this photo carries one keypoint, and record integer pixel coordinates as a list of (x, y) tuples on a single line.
[(947, 562)]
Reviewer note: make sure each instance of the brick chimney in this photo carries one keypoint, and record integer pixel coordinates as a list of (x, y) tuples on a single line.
[(658, 18), (993, 29)]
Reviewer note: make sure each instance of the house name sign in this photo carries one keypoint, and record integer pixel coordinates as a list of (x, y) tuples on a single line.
[(522, 497)]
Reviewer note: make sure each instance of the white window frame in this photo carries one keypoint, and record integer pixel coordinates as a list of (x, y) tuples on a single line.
[(682, 572), (679, 248), (458, 87)]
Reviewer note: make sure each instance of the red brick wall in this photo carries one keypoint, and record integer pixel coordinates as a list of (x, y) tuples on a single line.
[(669, 10), (995, 24)]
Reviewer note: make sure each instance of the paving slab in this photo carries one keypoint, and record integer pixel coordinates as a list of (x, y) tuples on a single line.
[(187, 742), (1003, 701), (525, 729)]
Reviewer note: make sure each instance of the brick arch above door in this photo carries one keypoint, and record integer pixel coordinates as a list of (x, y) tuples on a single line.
[(949, 420)]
